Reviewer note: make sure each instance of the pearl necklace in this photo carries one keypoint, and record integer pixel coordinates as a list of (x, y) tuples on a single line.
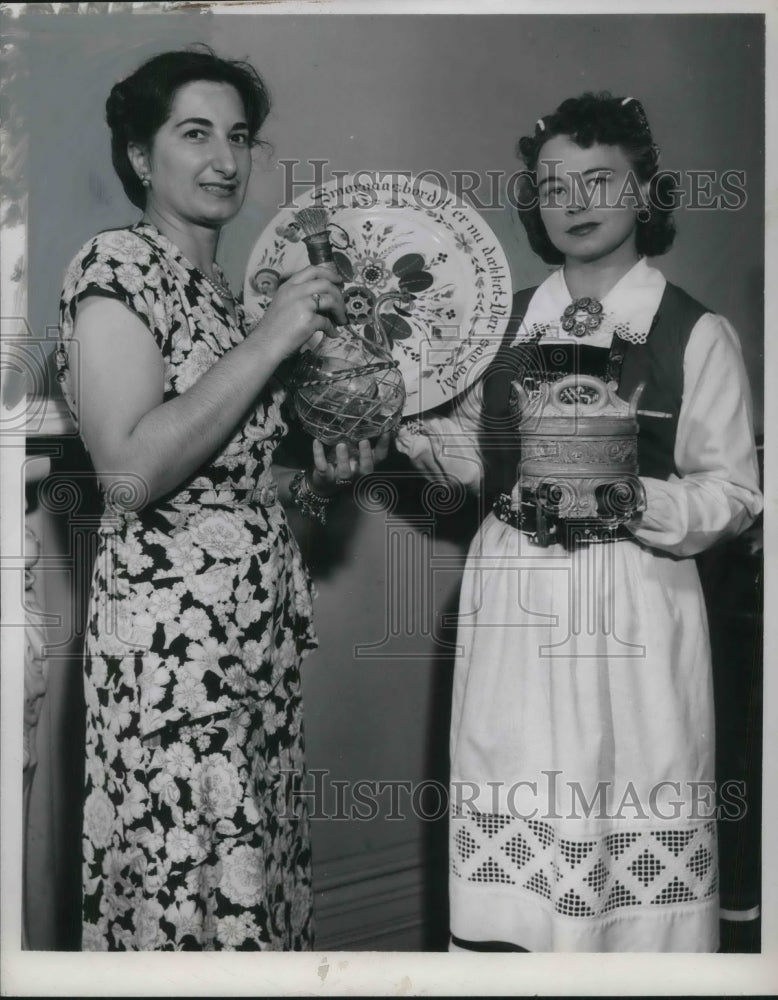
[(220, 287)]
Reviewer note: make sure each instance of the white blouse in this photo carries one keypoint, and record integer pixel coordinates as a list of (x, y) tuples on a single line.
[(716, 493)]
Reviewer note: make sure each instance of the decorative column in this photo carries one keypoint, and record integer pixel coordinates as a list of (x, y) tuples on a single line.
[(36, 668), (55, 564)]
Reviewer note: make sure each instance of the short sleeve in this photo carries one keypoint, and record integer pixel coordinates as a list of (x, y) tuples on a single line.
[(117, 264)]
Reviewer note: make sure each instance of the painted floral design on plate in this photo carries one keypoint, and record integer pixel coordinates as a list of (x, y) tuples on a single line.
[(433, 266)]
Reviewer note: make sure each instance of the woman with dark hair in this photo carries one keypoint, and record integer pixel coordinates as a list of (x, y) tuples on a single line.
[(605, 121), (200, 611), (582, 762)]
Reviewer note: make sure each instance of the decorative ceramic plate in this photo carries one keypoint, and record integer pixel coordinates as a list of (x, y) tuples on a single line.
[(448, 274)]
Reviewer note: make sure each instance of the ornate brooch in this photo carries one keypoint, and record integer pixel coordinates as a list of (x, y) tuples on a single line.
[(582, 316)]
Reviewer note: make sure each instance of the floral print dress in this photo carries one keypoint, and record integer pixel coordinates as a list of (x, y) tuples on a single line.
[(194, 837)]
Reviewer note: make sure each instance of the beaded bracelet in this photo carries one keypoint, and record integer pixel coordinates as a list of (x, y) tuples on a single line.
[(307, 501)]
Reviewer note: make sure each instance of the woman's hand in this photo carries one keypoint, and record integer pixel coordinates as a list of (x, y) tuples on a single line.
[(346, 467), (309, 301)]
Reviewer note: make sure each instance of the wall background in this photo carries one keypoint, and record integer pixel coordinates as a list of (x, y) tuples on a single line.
[(394, 93)]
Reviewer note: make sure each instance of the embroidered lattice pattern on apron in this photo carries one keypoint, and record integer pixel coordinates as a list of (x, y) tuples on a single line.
[(588, 876)]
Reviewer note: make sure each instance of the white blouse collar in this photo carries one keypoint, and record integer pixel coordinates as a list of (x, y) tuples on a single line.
[(628, 309)]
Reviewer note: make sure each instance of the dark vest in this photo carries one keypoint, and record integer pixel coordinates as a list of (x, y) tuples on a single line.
[(658, 363)]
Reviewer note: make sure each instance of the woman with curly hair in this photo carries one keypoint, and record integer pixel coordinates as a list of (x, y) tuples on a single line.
[(582, 756), (200, 610)]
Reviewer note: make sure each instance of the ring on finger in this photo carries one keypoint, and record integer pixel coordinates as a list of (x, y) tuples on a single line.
[(342, 482), (316, 300)]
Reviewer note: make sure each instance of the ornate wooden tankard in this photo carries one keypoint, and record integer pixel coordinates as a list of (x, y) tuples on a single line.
[(579, 455)]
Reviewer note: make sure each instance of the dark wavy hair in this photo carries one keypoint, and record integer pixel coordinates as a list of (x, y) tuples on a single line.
[(140, 104), (610, 121)]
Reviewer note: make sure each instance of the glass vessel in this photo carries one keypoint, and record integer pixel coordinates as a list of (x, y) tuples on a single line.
[(349, 388)]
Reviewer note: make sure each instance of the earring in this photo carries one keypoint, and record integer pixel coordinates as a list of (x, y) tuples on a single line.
[(145, 182), (644, 214)]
